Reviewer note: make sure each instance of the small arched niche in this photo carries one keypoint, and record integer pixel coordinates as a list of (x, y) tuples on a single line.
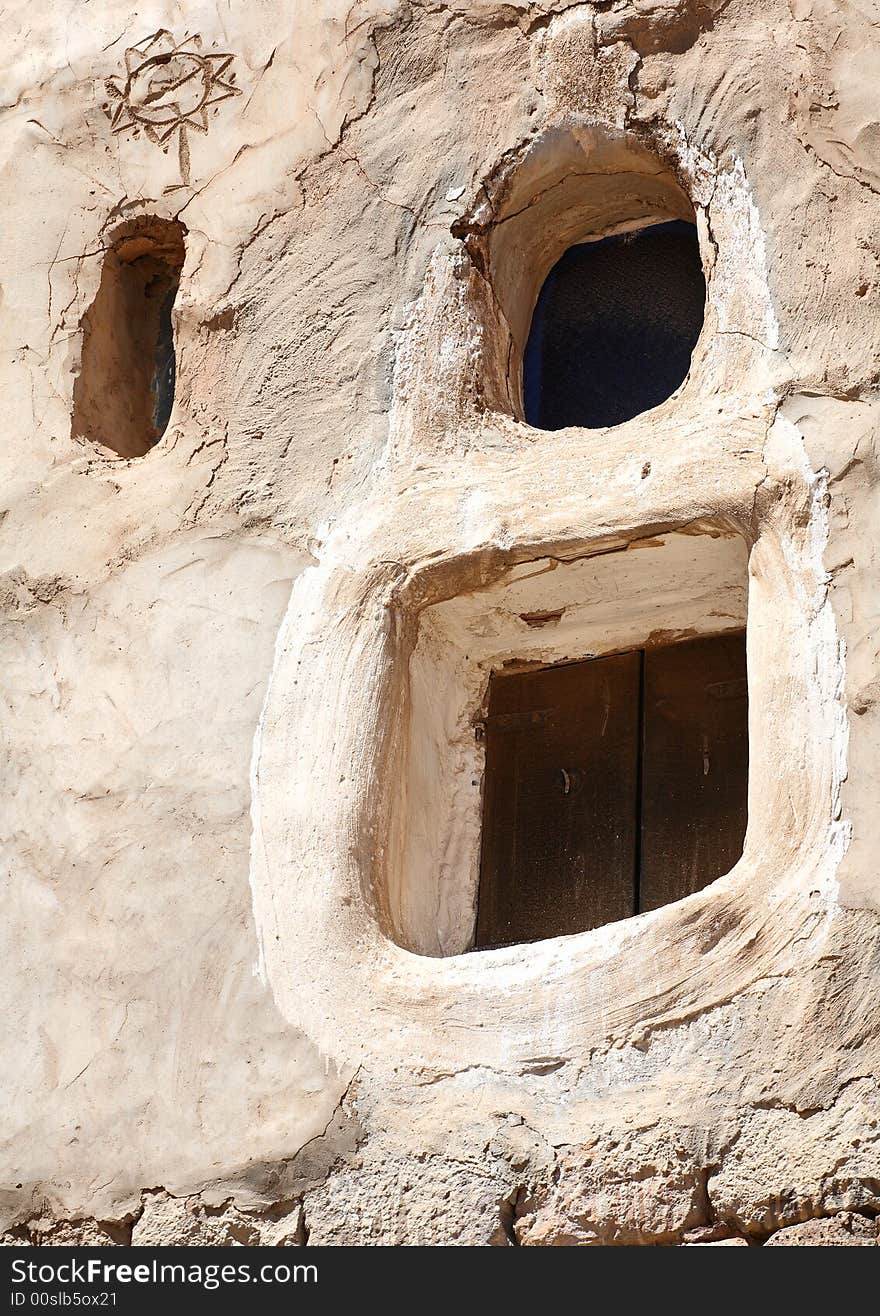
[(124, 392), (589, 239)]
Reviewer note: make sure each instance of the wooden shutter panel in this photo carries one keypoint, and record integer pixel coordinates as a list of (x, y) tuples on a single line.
[(560, 802), (694, 766)]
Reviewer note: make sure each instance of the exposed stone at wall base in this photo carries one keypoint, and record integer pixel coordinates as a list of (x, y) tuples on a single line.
[(844, 1230), (651, 1186), (345, 1220)]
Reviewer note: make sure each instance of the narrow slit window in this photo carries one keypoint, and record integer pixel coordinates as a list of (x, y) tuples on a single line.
[(614, 328), (612, 786), (124, 392)]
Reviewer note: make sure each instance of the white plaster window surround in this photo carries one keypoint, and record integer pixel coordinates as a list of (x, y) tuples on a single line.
[(473, 518), (676, 585)]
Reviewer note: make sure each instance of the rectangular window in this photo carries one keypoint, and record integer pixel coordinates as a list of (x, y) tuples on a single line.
[(612, 786)]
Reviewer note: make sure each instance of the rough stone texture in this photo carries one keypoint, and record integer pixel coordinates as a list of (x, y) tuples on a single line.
[(222, 970), (174, 1221), (843, 1230), (719, 1242), (49, 1232)]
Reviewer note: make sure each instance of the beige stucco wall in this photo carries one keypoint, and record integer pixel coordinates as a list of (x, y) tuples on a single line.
[(219, 660)]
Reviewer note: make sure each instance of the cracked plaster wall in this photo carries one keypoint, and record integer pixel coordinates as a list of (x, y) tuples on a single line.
[(209, 1033)]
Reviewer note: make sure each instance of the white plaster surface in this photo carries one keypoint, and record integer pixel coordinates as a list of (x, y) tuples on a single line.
[(220, 659)]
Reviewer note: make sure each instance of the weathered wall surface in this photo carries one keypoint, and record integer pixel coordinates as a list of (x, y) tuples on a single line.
[(214, 1027)]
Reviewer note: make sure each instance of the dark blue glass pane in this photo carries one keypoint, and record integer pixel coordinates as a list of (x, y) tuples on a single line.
[(163, 369), (614, 328)]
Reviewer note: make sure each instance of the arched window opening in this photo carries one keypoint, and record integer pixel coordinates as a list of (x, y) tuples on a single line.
[(124, 392), (614, 327), (605, 227)]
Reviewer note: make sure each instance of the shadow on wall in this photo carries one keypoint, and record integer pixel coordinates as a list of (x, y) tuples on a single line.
[(123, 395)]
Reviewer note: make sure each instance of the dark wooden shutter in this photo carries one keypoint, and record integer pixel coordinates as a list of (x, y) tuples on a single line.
[(694, 766), (559, 809)]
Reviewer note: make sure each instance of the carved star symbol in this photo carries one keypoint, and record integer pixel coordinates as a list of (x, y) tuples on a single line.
[(168, 85)]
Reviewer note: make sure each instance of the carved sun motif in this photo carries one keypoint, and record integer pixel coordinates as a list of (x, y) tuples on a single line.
[(169, 86)]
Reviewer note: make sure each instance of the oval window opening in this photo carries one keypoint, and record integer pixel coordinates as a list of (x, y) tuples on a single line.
[(123, 395), (614, 328)]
